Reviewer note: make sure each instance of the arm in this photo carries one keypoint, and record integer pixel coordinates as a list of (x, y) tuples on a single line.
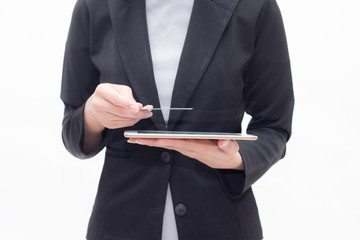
[(80, 79), (90, 107), (269, 99)]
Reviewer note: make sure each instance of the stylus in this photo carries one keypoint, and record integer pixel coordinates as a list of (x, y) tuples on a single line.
[(172, 109)]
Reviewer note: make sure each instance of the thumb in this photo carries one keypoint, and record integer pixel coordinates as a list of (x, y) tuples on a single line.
[(125, 91), (227, 146), (127, 94), (223, 144)]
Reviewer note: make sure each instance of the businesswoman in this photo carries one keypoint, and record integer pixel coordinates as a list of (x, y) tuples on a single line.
[(220, 57)]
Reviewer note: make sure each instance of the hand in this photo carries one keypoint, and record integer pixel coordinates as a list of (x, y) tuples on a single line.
[(113, 106), (221, 154)]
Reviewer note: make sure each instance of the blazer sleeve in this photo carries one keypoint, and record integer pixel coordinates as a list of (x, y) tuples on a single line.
[(80, 78), (269, 99)]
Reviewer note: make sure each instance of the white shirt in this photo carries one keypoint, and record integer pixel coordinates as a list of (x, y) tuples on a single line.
[(167, 22)]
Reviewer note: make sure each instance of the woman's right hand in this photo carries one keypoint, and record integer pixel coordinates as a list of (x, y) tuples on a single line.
[(112, 106)]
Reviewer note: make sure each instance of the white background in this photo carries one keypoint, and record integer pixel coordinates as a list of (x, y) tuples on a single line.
[(313, 193)]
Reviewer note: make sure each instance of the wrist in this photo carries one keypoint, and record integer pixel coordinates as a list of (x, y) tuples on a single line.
[(239, 161), (91, 124)]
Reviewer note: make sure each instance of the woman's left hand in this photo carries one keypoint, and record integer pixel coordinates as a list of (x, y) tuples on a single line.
[(221, 154)]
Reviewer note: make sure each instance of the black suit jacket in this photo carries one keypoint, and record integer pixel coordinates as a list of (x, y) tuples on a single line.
[(234, 59)]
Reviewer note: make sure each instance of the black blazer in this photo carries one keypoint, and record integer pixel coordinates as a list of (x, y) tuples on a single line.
[(235, 59)]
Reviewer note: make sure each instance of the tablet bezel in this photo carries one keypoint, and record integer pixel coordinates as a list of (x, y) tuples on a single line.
[(188, 135)]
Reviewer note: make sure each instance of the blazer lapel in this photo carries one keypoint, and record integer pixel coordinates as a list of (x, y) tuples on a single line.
[(208, 21), (129, 23)]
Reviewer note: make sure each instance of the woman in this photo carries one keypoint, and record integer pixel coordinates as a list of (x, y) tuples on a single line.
[(220, 57)]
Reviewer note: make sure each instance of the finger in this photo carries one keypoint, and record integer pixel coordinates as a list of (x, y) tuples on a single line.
[(228, 146), (126, 114), (113, 117), (180, 145), (125, 102), (125, 91), (155, 143), (120, 124), (151, 142), (187, 145), (106, 108), (147, 108), (124, 99)]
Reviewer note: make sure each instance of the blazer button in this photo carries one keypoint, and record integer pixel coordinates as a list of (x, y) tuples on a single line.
[(180, 210), (165, 157)]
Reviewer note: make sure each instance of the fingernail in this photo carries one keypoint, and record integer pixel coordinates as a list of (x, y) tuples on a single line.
[(134, 108), (148, 107), (131, 141), (148, 115), (225, 144)]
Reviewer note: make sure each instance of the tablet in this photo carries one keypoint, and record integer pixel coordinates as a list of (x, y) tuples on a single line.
[(187, 135)]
